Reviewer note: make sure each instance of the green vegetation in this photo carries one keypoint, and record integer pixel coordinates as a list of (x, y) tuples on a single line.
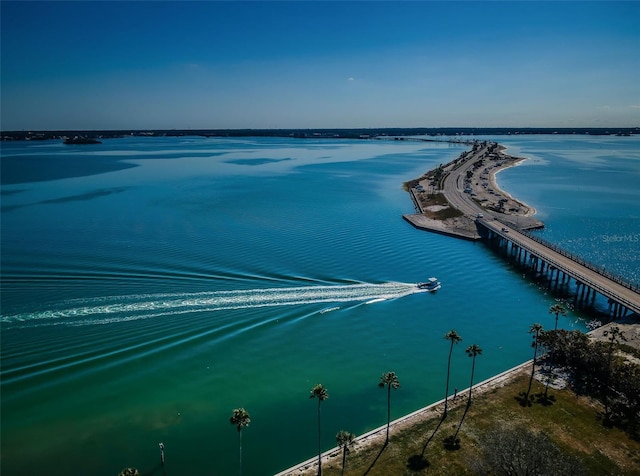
[(599, 370), (438, 199), (446, 213), (518, 428), (535, 330), (472, 351), (453, 442), (344, 439), (557, 309), (567, 432), (437, 176)]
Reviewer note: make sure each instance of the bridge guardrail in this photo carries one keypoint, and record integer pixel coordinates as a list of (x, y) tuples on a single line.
[(577, 275), (597, 269), (582, 278)]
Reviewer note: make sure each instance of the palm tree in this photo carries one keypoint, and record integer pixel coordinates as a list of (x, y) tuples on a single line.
[(129, 472), (557, 309), (390, 380), (319, 392), (614, 335), (535, 329), (344, 440), (452, 336), (240, 418), (472, 351)]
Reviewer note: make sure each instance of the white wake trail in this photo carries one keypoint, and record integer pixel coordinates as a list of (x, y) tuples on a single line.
[(111, 309)]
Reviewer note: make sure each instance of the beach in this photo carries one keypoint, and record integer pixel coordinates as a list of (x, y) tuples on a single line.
[(470, 187)]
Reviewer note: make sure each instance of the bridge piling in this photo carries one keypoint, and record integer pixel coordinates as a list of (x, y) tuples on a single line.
[(558, 270)]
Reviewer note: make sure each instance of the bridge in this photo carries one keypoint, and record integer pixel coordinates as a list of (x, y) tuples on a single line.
[(508, 232), (559, 267)]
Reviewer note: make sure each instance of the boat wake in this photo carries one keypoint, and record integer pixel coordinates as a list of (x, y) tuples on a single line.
[(106, 310)]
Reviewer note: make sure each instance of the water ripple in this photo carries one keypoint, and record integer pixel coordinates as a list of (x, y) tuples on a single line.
[(112, 309)]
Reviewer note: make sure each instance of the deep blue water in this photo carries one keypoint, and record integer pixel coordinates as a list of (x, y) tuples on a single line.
[(152, 285)]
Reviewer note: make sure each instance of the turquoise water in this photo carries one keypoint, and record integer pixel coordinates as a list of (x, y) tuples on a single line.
[(152, 285), (586, 192)]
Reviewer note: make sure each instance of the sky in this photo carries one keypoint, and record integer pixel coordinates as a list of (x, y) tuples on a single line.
[(326, 64)]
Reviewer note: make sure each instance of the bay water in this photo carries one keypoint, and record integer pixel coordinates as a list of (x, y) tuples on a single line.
[(150, 285)]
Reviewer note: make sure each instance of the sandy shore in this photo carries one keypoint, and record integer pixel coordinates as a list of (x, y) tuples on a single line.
[(484, 184), (470, 185), (528, 209)]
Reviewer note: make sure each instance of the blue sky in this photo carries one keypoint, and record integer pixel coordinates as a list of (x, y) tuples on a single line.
[(303, 64)]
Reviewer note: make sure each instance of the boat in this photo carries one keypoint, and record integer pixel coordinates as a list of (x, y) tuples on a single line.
[(432, 284)]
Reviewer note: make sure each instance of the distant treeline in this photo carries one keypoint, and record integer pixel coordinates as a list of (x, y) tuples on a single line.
[(318, 133)]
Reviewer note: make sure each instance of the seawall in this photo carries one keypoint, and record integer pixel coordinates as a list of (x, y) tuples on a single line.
[(377, 435)]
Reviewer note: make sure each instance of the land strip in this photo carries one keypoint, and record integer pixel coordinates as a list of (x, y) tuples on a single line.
[(449, 198)]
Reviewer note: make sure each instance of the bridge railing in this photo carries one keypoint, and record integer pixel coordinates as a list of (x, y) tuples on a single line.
[(578, 259)]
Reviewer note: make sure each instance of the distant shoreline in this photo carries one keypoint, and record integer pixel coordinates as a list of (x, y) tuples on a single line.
[(319, 133)]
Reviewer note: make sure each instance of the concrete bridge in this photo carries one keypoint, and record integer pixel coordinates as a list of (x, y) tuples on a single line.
[(560, 267), (508, 232)]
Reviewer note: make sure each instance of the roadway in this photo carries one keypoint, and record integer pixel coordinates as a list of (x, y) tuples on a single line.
[(453, 189), (453, 186), (507, 225), (602, 284)]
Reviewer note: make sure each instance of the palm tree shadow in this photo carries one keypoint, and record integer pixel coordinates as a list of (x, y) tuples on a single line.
[(452, 443), (377, 457), (544, 399), (524, 399), (156, 470), (417, 463), (424, 448)]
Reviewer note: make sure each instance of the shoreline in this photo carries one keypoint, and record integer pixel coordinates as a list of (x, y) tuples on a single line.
[(449, 198), (470, 189), (377, 435), (519, 161)]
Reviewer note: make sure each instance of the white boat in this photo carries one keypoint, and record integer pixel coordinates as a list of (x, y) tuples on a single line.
[(432, 284)]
